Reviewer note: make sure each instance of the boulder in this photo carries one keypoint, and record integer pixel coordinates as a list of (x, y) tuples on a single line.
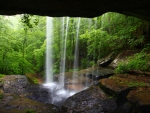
[(91, 100), (125, 108), (119, 83), (9, 104), (16, 84), (131, 92), (104, 62), (100, 73), (122, 57), (141, 98), (39, 93)]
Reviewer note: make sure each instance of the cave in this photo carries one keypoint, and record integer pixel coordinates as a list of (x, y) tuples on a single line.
[(76, 8)]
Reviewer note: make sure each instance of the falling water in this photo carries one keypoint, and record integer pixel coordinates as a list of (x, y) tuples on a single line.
[(76, 58), (88, 83), (64, 52), (94, 52), (49, 60), (58, 93), (61, 77)]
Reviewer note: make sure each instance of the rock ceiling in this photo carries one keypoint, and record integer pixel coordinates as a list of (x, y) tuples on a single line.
[(76, 8)]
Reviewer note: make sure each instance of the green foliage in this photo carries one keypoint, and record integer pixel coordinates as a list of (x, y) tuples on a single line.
[(1, 96), (30, 111), (24, 51), (146, 48), (2, 75), (139, 61), (84, 63), (36, 81), (17, 47), (122, 68), (29, 21)]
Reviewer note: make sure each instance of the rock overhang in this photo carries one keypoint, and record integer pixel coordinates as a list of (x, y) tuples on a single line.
[(76, 8)]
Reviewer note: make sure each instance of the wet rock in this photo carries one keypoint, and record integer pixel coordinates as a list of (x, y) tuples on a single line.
[(22, 105), (100, 73), (104, 62), (38, 93), (91, 100), (131, 92), (15, 84), (125, 108), (1, 85), (141, 98), (19, 84), (119, 83), (121, 57)]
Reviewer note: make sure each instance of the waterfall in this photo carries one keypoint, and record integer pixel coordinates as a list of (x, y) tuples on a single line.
[(49, 59), (61, 77), (76, 55), (94, 52), (57, 92), (87, 83), (63, 53)]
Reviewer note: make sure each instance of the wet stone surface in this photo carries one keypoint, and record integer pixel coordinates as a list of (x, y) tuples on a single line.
[(15, 84), (14, 92), (91, 100), (39, 93)]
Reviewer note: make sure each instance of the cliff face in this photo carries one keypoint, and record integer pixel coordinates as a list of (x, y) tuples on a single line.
[(76, 8)]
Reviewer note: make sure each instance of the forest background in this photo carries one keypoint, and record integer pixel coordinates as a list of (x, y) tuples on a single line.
[(23, 42)]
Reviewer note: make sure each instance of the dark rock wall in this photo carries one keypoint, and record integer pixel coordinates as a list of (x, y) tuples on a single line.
[(76, 8)]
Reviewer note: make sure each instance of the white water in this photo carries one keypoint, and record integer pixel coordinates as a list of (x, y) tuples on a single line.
[(64, 51), (76, 55), (58, 94), (62, 68), (57, 91), (49, 59), (87, 84)]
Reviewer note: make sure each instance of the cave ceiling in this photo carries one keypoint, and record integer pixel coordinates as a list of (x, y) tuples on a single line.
[(76, 8)]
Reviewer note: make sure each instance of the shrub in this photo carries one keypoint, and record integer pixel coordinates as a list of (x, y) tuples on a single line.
[(2, 75), (1, 96), (137, 62), (30, 111)]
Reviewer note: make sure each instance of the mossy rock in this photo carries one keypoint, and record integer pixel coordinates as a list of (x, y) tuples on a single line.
[(25, 105)]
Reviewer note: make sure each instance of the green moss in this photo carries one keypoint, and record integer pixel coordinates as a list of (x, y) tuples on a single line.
[(32, 79), (134, 83), (35, 81)]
